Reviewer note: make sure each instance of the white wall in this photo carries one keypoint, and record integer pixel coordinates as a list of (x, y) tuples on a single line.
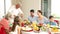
[(27, 5)]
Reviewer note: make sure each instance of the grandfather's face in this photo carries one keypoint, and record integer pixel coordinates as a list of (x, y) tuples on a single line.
[(17, 6)]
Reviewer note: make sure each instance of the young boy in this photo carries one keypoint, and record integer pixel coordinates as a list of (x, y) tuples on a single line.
[(51, 21)]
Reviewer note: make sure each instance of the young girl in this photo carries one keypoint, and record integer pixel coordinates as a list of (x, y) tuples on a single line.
[(16, 29)]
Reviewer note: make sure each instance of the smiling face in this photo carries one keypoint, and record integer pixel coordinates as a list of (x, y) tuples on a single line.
[(51, 18), (17, 6), (31, 13), (38, 13)]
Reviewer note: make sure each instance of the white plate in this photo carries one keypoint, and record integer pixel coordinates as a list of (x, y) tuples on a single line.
[(26, 28)]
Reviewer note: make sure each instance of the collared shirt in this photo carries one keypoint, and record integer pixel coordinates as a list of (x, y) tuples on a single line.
[(32, 19)]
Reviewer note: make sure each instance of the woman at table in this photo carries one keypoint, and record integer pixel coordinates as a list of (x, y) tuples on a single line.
[(16, 29), (41, 18), (51, 21), (5, 24)]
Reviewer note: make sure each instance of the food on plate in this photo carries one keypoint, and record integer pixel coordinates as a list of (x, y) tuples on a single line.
[(40, 25), (36, 28), (43, 28), (22, 24), (26, 28), (54, 29), (48, 25), (34, 24), (27, 22)]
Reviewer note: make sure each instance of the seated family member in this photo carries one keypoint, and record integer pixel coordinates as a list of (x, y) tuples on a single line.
[(41, 18), (51, 21), (16, 29), (11, 19), (21, 16), (32, 17), (5, 24)]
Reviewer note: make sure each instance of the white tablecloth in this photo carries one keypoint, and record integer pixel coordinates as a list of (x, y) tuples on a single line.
[(34, 33), (30, 32)]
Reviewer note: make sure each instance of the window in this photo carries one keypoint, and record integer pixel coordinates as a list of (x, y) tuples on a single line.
[(8, 5), (1, 8), (55, 8), (4, 7)]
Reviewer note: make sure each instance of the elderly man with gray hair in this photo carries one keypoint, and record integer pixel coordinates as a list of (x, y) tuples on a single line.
[(15, 9)]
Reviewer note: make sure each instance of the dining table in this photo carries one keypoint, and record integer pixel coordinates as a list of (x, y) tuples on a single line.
[(43, 32)]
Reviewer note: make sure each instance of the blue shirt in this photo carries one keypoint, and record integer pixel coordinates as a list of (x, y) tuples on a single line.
[(52, 23), (32, 19), (44, 20)]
